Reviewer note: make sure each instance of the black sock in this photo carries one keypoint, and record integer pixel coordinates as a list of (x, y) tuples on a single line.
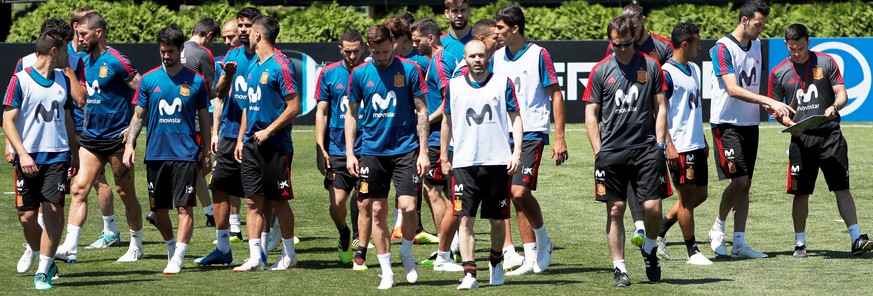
[(470, 268), (496, 257), (691, 245), (345, 238), (666, 226), (361, 253)]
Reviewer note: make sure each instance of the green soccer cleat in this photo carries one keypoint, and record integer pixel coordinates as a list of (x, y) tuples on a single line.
[(41, 281), (105, 241), (345, 256), (639, 238)]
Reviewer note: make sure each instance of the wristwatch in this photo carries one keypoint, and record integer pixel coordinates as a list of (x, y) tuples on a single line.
[(836, 107)]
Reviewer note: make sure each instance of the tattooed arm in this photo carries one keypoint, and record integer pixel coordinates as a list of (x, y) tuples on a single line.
[(423, 130), (133, 133)]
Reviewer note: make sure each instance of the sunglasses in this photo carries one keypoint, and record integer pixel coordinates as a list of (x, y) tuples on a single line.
[(622, 44)]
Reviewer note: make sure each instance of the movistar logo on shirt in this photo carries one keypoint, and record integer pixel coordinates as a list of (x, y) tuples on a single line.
[(240, 86), (805, 97), (479, 118), (625, 101), (47, 115), (344, 106), (254, 95), (747, 79), (167, 109), (93, 88), (382, 104)]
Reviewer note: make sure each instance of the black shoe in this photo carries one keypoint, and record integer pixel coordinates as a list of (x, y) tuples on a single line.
[(800, 251), (151, 218), (237, 235), (620, 279), (653, 268), (210, 221), (861, 245)]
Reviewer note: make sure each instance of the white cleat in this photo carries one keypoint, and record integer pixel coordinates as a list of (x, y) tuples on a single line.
[(446, 264), (544, 255), (716, 242), (526, 268), (250, 265), (133, 254), (27, 259), (69, 256), (662, 248), (512, 260), (468, 283), (698, 259), (496, 274), (285, 262), (409, 267), (746, 252), (387, 282), (173, 267), (275, 240)]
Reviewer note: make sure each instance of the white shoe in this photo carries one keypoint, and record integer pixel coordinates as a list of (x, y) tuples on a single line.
[(275, 240), (409, 267), (69, 256), (526, 268), (662, 248), (698, 259), (173, 267), (133, 254), (285, 262), (468, 283), (746, 252), (512, 260), (544, 255), (371, 246), (716, 242), (27, 259), (387, 282), (250, 265), (496, 274), (446, 264)]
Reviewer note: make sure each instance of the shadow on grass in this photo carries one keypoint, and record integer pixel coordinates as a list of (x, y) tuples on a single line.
[(100, 283), (826, 254), (108, 273), (691, 281), (575, 269)]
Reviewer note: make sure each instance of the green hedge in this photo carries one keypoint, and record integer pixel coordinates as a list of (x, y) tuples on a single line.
[(574, 20)]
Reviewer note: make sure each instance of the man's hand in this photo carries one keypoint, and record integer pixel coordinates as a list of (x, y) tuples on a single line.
[(238, 151), (74, 165), (353, 166), (205, 163), (324, 165), (512, 167), (9, 154), (778, 108), (28, 166), (230, 69), (559, 152), (672, 156), (123, 135), (423, 164), (213, 146), (831, 113), (129, 157), (261, 136), (445, 165)]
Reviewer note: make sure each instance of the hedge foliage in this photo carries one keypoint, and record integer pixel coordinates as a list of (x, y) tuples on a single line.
[(574, 20)]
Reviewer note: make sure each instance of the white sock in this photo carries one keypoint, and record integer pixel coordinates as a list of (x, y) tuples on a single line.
[(620, 265), (385, 263), (265, 240), (398, 218), (181, 249), (718, 225), (288, 246), (405, 246), (109, 227), (234, 223), (649, 245), (40, 220), (136, 238), (639, 225), (223, 240), (800, 239), (456, 243), (854, 232), (739, 239), (530, 253), (255, 249), (44, 263), (71, 242), (540, 234), (445, 255), (207, 210), (509, 250)]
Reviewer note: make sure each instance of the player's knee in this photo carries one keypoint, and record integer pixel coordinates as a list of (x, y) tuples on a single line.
[(616, 210), (519, 193), (185, 211), (742, 184)]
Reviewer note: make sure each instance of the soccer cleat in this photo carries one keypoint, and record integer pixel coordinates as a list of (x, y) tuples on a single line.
[(27, 259), (698, 259), (358, 264), (512, 260), (861, 245), (544, 255), (746, 252), (296, 240), (409, 267), (285, 262), (151, 218), (355, 244), (430, 260), (620, 279), (236, 237), (800, 251), (425, 238), (345, 257), (173, 267), (275, 239), (69, 256), (396, 233), (215, 257), (41, 281), (468, 283), (53, 272), (662, 248), (370, 245), (653, 267), (387, 282), (105, 241), (639, 238), (446, 264), (495, 274), (133, 254), (526, 268), (210, 220), (716, 242), (250, 265)]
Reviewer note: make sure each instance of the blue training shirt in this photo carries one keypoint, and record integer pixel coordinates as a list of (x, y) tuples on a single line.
[(269, 82), (108, 110), (231, 116), (333, 85), (437, 78), (455, 46)]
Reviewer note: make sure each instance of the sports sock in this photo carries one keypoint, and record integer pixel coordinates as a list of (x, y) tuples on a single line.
[(666, 226), (639, 225), (649, 246), (691, 246), (470, 268), (496, 257), (530, 253), (361, 253), (405, 247), (398, 218), (40, 220), (509, 250), (345, 238), (620, 265), (109, 227), (71, 242), (800, 239), (540, 234), (265, 240), (854, 232), (385, 263), (739, 239), (234, 223), (208, 210), (181, 249), (288, 247), (136, 238), (222, 242), (447, 256), (456, 243), (255, 249), (718, 225), (44, 263)]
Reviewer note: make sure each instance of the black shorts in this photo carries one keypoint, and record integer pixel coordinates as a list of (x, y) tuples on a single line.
[(488, 185), (50, 184), (435, 174), (171, 184), (529, 167), (644, 169), (693, 168), (338, 175), (102, 147), (226, 171), (735, 149), (266, 171), (809, 152), (377, 172)]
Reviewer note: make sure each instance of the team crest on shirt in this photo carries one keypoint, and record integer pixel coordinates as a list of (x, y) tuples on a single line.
[(185, 90), (459, 205), (817, 73), (264, 77), (642, 76), (399, 80), (104, 71), (601, 189)]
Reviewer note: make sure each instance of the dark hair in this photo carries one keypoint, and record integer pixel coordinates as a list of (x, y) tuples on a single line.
[(511, 15), (378, 34), (749, 9), (683, 32), (483, 27), (622, 25), (249, 12), (405, 16), (94, 20), (397, 27), (205, 26), (426, 26), (450, 3), (796, 32), (58, 28), (47, 41), (269, 26), (633, 10), (171, 35), (351, 35)]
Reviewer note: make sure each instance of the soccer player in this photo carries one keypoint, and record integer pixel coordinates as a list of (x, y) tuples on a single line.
[(530, 68), (264, 144), (329, 137), (110, 77), (482, 164), (393, 134), (734, 117), (169, 97), (231, 41), (38, 124), (811, 83), (460, 32), (626, 119), (685, 122)]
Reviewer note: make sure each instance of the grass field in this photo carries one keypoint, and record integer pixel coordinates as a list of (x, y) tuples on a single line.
[(576, 223)]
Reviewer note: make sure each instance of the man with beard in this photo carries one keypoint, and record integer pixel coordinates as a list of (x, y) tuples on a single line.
[(458, 13)]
